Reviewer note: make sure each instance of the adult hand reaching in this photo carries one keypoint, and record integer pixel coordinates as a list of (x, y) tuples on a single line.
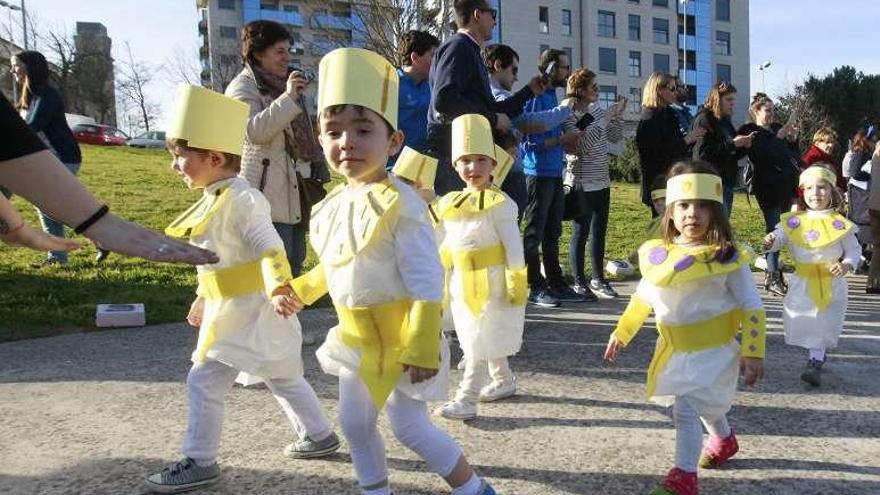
[(502, 125), (120, 236)]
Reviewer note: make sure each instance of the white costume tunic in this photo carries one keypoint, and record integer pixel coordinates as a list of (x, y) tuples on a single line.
[(496, 330), (243, 331), (398, 260), (806, 325)]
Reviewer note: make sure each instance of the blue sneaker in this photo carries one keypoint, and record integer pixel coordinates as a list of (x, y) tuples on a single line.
[(487, 489)]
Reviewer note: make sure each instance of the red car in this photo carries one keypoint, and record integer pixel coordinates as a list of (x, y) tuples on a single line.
[(99, 134)]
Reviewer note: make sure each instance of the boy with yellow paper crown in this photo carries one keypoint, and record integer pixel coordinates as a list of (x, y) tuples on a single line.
[(245, 306), (379, 262), (483, 252)]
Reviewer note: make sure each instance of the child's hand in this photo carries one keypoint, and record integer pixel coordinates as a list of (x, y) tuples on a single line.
[(613, 348), (417, 374), (840, 269), (285, 302), (769, 239), (196, 310), (752, 369)]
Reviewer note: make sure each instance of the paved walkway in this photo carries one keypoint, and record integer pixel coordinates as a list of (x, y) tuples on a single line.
[(93, 413)]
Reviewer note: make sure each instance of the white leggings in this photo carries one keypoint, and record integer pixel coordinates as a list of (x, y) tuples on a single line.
[(207, 384), (689, 433), (409, 422)]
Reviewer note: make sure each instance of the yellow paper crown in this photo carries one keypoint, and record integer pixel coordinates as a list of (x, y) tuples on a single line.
[(694, 186), (209, 120), (817, 172), (472, 135), (503, 164), (419, 168), (354, 76), (658, 194)]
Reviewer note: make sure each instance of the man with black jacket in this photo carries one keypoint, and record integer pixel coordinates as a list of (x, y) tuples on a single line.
[(460, 85)]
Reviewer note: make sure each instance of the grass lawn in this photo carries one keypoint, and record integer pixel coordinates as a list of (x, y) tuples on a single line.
[(138, 185)]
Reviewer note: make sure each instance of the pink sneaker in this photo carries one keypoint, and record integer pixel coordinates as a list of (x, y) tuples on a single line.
[(678, 482), (718, 450)]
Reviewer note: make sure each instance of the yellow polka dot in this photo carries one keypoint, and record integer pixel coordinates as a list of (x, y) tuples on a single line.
[(687, 186)]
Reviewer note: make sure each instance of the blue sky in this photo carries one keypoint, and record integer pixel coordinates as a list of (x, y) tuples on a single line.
[(797, 36)]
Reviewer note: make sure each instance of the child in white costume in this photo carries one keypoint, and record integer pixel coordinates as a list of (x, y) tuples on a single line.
[(824, 246), (245, 304), (379, 262), (483, 253), (700, 288)]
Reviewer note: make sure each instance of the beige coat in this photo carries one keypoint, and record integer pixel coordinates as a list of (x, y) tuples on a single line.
[(265, 161)]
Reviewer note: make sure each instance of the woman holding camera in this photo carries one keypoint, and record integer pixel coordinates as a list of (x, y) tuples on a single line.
[(281, 154)]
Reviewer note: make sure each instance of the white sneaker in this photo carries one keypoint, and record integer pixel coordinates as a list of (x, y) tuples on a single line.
[(498, 390), (461, 364), (458, 409)]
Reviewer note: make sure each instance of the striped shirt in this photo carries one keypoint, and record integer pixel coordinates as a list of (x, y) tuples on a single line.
[(588, 167)]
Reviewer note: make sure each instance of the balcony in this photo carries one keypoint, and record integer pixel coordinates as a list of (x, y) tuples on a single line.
[(203, 27), (252, 11), (203, 51)]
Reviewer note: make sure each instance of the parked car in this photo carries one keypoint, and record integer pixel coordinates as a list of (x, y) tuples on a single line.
[(151, 139), (99, 134)]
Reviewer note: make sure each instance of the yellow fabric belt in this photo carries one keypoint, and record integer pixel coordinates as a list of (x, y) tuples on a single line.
[(818, 278), (706, 334), (231, 282), (473, 265)]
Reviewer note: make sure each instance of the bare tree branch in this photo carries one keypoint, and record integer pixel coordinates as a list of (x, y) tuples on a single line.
[(131, 85), (182, 67)]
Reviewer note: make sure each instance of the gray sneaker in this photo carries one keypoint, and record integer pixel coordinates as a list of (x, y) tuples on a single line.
[(183, 476), (309, 449), (602, 289), (542, 297), (813, 372)]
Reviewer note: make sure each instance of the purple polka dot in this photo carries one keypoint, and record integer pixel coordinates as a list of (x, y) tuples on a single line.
[(793, 222), (734, 255), (754, 333), (838, 224), (754, 319), (811, 235), (684, 263), (658, 255)]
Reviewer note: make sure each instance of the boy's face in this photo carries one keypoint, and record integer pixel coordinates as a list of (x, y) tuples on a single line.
[(475, 170), (659, 205), (198, 169), (357, 145)]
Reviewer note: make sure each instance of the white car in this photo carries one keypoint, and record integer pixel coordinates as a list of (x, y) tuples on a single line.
[(151, 139)]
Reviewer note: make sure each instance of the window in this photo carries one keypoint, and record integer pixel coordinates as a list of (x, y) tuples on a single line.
[(661, 62), (660, 3), (722, 10), (607, 96), (269, 5), (635, 64), (635, 28), (661, 31), (606, 24), (226, 4), (228, 32), (687, 21), (692, 95), (723, 73), (722, 43), (291, 8), (691, 57), (608, 60), (635, 97), (543, 20), (566, 22)]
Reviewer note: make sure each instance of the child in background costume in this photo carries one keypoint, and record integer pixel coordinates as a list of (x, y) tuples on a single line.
[(379, 262), (245, 306), (652, 231), (482, 251), (824, 246), (700, 287)]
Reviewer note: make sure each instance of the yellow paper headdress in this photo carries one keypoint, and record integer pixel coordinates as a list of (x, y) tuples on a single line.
[(503, 164), (817, 172), (419, 168), (694, 186), (354, 76), (209, 120), (658, 194), (472, 135)]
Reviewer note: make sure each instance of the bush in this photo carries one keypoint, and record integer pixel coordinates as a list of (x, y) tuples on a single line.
[(626, 166)]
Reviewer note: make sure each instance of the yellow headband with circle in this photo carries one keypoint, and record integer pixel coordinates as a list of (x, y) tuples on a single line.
[(817, 172), (503, 164), (209, 120), (658, 194), (414, 166), (354, 76), (472, 135), (694, 186)]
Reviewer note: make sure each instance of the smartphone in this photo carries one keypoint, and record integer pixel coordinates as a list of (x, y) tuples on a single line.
[(585, 121)]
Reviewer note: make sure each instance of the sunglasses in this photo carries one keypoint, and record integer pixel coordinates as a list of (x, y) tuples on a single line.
[(493, 12)]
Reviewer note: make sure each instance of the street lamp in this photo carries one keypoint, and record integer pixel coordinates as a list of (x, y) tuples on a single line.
[(12, 7), (762, 68)]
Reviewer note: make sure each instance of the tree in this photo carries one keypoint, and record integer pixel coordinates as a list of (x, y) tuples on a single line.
[(134, 77), (182, 67)]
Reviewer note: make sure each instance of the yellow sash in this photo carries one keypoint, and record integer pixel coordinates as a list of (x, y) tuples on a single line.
[(815, 232), (196, 218), (818, 278), (706, 334), (667, 265), (473, 266)]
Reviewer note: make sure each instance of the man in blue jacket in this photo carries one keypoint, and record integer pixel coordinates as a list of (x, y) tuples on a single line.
[(460, 85), (543, 164)]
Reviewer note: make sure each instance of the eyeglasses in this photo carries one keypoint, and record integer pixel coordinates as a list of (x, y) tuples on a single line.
[(493, 12), (514, 70)]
